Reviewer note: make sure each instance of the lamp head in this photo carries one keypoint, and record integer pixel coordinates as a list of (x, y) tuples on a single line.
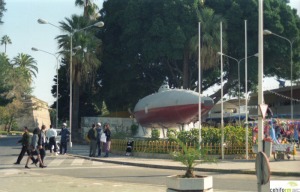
[(34, 49), (77, 48), (267, 32), (219, 53), (99, 24), (42, 21)]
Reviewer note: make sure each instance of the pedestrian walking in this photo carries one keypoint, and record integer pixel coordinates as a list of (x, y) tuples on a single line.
[(34, 149), (42, 143), (65, 134), (51, 135), (25, 141), (108, 139), (99, 143), (92, 136)]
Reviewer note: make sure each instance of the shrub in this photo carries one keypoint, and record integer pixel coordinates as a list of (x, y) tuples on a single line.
[(190, 157), (172, 133), (134, 129), (155, 134)]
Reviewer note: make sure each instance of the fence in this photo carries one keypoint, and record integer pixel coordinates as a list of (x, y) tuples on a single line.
[(166, 147)]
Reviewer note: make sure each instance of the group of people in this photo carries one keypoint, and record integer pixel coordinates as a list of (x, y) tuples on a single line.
[(36, 146), (280, 132), (99, 138)]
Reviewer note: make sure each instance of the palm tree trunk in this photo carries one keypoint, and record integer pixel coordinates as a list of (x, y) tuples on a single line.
[(185, 70), (189, 173), (76, 137)]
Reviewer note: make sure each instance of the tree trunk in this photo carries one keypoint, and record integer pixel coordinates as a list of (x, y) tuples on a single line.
[(76, 135), (189, 173), (185, 78)]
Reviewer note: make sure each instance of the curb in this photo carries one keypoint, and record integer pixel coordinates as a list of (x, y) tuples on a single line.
[(249, 172)]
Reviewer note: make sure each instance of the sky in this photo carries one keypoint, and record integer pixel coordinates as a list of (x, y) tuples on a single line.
[(20, 24)]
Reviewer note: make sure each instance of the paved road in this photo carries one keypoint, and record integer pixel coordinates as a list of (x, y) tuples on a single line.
[(71, 173)]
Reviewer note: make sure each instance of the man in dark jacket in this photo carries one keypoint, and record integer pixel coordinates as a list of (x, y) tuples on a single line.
[(65, 134), (25, 141), (92, 135)]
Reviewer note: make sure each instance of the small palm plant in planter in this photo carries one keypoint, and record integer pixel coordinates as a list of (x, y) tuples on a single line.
[(190, 157)]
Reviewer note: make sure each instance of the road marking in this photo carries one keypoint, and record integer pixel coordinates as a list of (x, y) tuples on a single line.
[(8, 166), (55, 162), (77, 162), (84, 167), (97, 163)]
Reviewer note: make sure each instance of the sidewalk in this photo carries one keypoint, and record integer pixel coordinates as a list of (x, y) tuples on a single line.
[(280, 168)]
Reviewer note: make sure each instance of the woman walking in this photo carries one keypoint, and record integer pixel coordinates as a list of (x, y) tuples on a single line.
[(34, 150)]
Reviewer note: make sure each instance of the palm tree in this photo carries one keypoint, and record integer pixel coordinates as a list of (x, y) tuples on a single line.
[(210, 44), (210, 41), (84, 63), (90, 9), (27, 64), (5, 40)]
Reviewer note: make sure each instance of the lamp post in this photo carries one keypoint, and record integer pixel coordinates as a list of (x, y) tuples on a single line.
[(71, 33), (222, 118), (57, 64), (268, 32), (246, 102), (239, 81), (199, 84)]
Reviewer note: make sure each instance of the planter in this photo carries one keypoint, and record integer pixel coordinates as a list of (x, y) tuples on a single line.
[(200, 183)]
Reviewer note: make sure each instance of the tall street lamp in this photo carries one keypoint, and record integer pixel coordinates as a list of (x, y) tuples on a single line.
[(246, 102), (57, 64), (71, 33), (268, 32), (239, 80)]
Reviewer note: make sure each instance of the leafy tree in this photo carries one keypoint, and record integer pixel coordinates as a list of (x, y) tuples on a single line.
[(15, 87), (5, 69), (276, 52), (145, 41), (5, 40), (10, 112)]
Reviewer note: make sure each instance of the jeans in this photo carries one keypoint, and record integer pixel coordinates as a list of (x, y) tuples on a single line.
[(99, 145), (63, 145)]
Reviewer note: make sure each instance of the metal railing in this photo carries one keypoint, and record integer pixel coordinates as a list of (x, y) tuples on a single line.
[(167, 147)]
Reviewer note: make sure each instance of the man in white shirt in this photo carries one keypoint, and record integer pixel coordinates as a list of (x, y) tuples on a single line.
[(51, 135)]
